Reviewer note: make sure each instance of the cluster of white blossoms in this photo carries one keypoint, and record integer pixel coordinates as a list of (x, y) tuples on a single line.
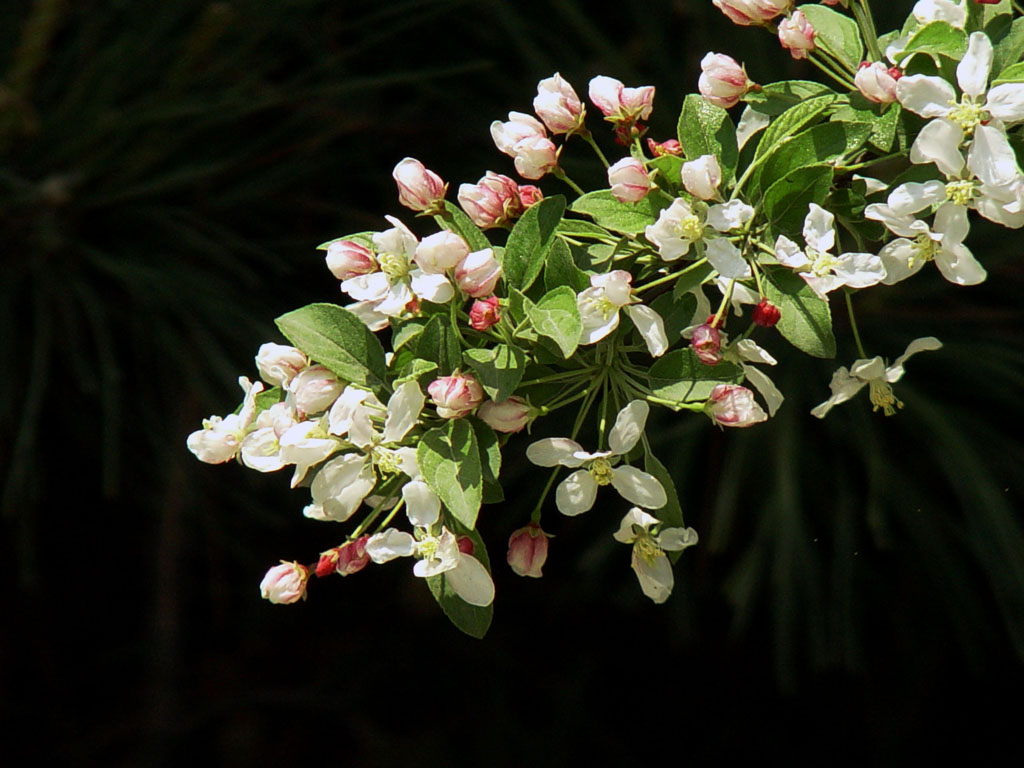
[(397, 409)]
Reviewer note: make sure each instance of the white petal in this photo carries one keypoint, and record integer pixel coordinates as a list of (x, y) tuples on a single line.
[(772, 396), (750, 352), (927, 96), (731, 215), (751, 121), (789, 253), (843, 386), (927, 344), (367, 312), (639, 487), (902, 225), (952, 222), (725, 257), (635, 516), (552, 451), (629, 426), (914, 196), (1006, 102), (422, 506), (434, 288), (900, 261), (389, 544), (860, 270), (939, 143), (655, 576), (577, 493), (973, 70), (676, 539), (991, 158), (397, 299), (651, 328), (404, 408), (958, 265), (819, 229), (371, 287), (471, 581), (261, 451)]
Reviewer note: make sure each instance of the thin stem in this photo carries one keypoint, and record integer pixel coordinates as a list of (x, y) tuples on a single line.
[(559, 174), (387, 520), (385, 494), (557, 377), (847, 168), (455, 323), (725, 303), (589, 138), (1017, 7), (671, 276), (823, 63), (853, 325), (862, 13)]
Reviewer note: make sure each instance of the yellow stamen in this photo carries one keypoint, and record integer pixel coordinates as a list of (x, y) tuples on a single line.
[(880, 393)]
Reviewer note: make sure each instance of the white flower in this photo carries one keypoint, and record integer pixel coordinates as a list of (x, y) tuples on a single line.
[(577, 493), (650, 563), (746, 351), (879, 378), (949, 11), (599, 308), (943, 244), (681, 225), (822, 271), (221, 438)]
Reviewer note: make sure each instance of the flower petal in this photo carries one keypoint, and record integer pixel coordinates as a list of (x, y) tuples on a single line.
[(927, 344), (973, 70), (639, 487), (577, 493), (552, 451), (629, 426), (635, 516), (651, 328), (819, 229), (725, 257), (654, 575), (991, 158), (1006, 102), (471, 581), (404, 408), (676, 539), (422, 506), (926, 95), (939, 143)]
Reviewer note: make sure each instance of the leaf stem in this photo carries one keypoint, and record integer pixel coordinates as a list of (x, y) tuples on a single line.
[(853, 324), (670, 276), (862, 13), (588, 137), (559, 174)]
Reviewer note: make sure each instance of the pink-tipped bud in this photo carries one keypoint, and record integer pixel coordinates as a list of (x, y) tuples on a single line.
[(733, 406), (558, 105), (347, 259), (278, 364), (529, 195), (314, 390), (419, 188), (478, 273), (492, 201), (528, 551), (524, 139), (440, 252), (667, 147), (797, 35), (752, 12), (877, 82), (285, 583), (702, 176), (455, 396), (352, 557), (766, 314), (465, 545), (707, 343), (723, 81), (508, 416), (618, 103), (629, 181), (484, 313)]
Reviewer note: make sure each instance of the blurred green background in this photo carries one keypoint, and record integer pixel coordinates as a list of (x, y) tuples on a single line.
[(166, 171)]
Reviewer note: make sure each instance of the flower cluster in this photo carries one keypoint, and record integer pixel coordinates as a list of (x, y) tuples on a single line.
[(395, 408)]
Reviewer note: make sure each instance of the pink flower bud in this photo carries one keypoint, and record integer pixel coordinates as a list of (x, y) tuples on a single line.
[(750, 12), (558, 105), (629, 180), (347, 259), (440, 252), (797, 35), (492, 201), (285, 583), (877, 82), (484, 313), (465, 545), (314, 390), (766, 314), (618, 103), (509, 416), (702, 176), (524, 139), (723, 81), (528, 551), (667, 147), (418, 188), (478, 273), (455, 396), (733, 406), (352, 557), (707, 343), (530, 195), (278, 364)]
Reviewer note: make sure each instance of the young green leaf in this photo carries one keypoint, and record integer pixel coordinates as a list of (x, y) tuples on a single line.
[(805, 321), (626, 218), (438, 342), (556, 316), (836, 34), (499, 370), (785, 202), (680, 377), (671, 515), (936, 39), (775, 98), (490, 460), (705, 129), (529, 241), (474, 620), (449, 460), (560, 269), (792, 121)]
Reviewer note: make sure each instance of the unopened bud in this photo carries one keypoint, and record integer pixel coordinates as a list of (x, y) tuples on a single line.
[(314, 390), (723, 80), (752, 12), (347, 259), (478, 273), (733, 406), (530, 195), (419, 188), (667, 147), (285, 583), (558, 105), (352, 557), (484, 313), (465, 545), (508, 416), (528, 551), (628, 180), (797, 35), (877, 82), (766, 314), (702, 176), (440, 252), (492, 201), (707, 344), (455, 396), (278, 364)]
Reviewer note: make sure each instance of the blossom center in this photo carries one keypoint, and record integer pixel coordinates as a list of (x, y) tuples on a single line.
[(923, 249), (690, 228), (880, 393), (427, 548), (645, 547), (966, 114), (821, 263), (386, 460), (394, 265), (601, 471), (960, 192), (602, 306)]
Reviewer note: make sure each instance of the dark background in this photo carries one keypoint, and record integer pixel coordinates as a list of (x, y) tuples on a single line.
[(166, 170)]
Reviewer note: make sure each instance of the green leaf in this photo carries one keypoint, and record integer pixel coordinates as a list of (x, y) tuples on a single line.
[(579, 228), (805, 321), (980, 16), (679, 376), (490, 460), (785, 203), (265, 399), (705, 129), (792, 121), (449, 460), (936, 39), (415, 370), (669, 172), (439, 342), (363, 238), (775, 98), (557, 317), (1008, 51), (677, 314), (499, 370), (836, 34), (672, 513), (626, 218), (814, 146), (474, 620), (560, 269), (1014, 74), (458, 222), (883, 134), (694, 276), (337, 339), (406, 332), (529, 240)]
